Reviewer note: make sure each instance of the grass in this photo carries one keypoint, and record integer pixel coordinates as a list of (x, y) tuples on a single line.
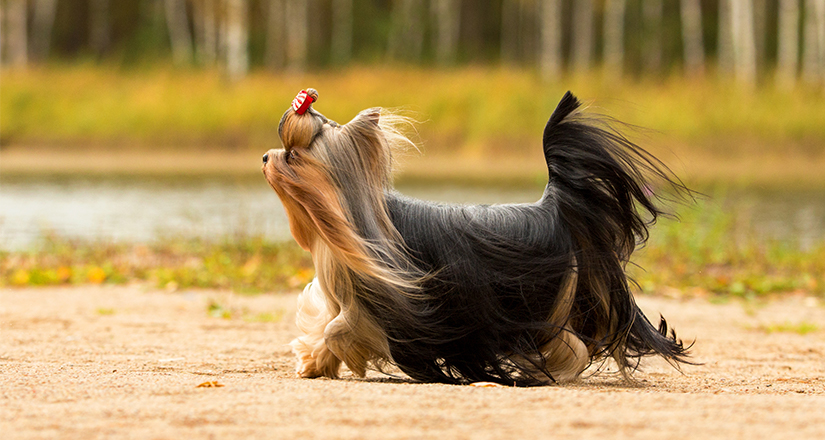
[(471, 108), (249, 264), (720, 133), (801, 328), (711, 251)]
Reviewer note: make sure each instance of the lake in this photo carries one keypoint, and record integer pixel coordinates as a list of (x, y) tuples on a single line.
[(143, 209)]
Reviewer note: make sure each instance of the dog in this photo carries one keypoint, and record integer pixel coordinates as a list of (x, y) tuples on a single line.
[(517, 294)]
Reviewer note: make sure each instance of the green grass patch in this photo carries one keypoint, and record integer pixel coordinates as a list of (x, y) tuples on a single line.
[(800, 328), (711, 250), (249, 264)]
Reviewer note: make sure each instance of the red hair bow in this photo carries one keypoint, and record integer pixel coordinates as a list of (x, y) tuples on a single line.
[(302, 102)]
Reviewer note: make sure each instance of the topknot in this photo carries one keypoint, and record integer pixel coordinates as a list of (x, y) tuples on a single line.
[(300, 123)]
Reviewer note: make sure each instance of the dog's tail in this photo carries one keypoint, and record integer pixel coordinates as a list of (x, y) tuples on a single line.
[(598, 182)]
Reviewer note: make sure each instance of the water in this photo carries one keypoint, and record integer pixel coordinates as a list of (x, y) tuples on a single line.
[(146, 209)]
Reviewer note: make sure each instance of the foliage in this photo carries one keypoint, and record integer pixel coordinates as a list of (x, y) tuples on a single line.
[(710, 250), (478, 109), (242, 264)]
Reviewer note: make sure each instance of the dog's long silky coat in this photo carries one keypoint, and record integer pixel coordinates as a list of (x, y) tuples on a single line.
[(523, 294)]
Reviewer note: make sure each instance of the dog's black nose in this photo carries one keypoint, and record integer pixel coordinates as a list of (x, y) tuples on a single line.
[(266, 158)]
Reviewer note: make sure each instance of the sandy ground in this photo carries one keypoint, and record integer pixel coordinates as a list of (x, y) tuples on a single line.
[(125, 362)]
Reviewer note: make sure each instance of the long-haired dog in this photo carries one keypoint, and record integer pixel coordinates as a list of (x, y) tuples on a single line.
[(524, 294)]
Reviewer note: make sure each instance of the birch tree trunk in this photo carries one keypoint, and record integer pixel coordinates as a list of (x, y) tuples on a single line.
[(42, 28), (509, 30), (237, 39), (447, 27), (275, 56), (99, 26), (17, 33), (550, 56), (342, 19), (297, 42), (179, 35), (203, 12), (813, 67), (820, 28), (744, 47), (614, 36), (760, 26), (2, 34), (694, 47), (725, 38), (788, 44), (582, 34), (652, 17), (406, 34)]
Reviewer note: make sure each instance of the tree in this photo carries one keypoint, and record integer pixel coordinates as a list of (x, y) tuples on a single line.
[(17, 33), (237, 39), (509, 30), (725, 38), (550, 55), (179, 35), (614, 36), (788, 44), (342, 20), (42, 24), (275, 56), (99, 27), (205, 30), (652, 15), (582, 34), (813, 49), (694, 48), (297, 43), (406, 39), (744, 47), (447, 26)]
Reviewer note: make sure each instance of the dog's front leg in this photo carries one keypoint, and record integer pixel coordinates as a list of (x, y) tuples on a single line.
[(314, 357), (342, 340)]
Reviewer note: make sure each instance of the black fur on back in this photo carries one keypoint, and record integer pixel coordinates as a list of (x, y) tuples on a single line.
[(496, 271)]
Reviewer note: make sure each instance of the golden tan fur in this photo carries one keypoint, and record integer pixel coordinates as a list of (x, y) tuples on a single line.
[(335, 328)]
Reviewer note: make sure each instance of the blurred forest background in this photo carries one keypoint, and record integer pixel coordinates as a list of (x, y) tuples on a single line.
[(717, 77), (730, 94), (752, 40)]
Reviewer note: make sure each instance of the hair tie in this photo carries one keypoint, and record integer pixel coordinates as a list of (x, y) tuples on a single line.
[(304, 100)]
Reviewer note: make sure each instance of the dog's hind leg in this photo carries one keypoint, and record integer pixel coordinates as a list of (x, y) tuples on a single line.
[(565, 356), (314, 357), (356, 339)]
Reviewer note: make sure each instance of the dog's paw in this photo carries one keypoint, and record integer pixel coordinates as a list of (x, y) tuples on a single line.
[(314, 362)]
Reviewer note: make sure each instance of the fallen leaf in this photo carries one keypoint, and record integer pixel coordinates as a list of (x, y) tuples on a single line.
[(486, 384), (210, 384)]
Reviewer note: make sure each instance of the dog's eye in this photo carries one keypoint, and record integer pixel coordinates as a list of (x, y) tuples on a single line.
[(290, 156)]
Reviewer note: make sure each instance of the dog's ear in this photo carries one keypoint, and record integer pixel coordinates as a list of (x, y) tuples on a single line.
[(366, 118), (372, 115)]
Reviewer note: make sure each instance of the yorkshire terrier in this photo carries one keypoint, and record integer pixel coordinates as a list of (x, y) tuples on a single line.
[(518, 294)]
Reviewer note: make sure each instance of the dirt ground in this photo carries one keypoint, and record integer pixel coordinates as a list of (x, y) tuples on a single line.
[(126, 362)]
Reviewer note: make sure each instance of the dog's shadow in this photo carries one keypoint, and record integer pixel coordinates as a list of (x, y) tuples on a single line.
[(604, 381)]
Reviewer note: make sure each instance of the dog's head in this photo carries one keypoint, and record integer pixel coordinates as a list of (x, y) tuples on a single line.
[(332, 178)]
